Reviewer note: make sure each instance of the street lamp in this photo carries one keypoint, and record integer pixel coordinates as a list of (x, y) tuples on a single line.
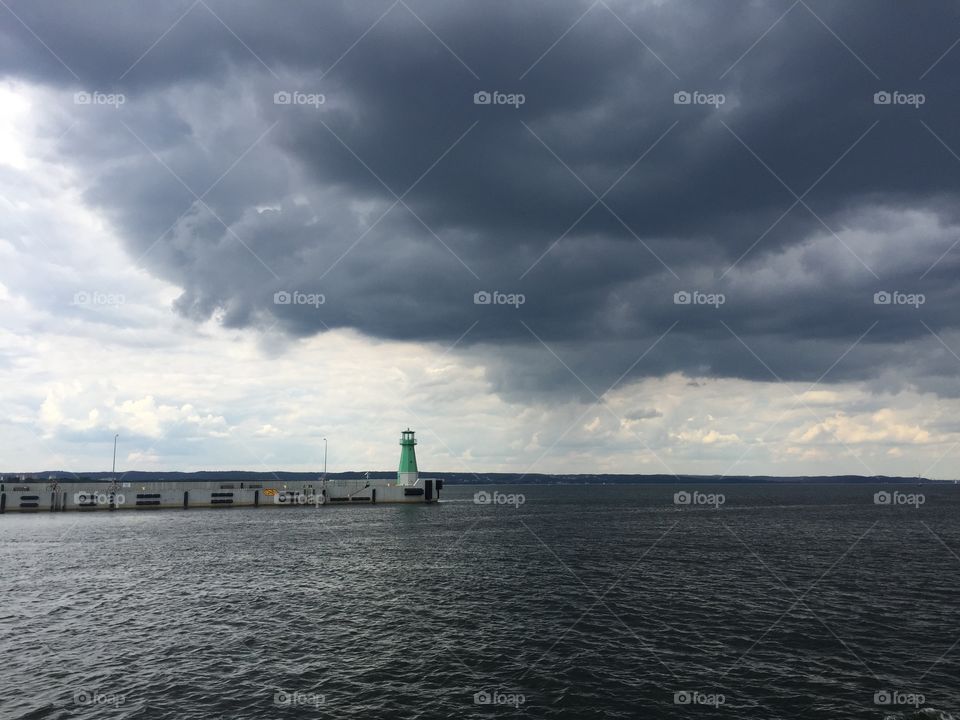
[(324, 458), (114, 471)]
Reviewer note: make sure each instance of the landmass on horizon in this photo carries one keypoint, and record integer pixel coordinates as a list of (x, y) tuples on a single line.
[(468, 478)]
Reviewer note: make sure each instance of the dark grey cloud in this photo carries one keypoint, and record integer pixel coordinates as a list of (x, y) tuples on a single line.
[(502, 199)]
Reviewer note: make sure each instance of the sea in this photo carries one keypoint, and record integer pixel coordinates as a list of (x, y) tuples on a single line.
[(535, 601)]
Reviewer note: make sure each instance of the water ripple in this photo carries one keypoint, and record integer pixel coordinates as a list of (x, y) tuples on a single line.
[(583, 602)]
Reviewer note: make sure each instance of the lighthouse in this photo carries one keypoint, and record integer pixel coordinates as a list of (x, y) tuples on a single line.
[(407, 472)]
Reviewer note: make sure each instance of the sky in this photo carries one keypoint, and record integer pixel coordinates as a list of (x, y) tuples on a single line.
[(557, 237)]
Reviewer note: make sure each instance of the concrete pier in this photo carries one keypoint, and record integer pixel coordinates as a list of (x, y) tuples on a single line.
[(57, 495)]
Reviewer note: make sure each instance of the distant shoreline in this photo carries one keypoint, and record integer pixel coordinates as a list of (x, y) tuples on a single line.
[(461, 478)]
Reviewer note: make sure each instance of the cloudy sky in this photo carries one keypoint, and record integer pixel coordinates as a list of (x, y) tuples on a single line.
[(701, 237)]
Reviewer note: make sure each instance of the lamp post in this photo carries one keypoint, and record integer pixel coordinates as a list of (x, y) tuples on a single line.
[(113, 479), (324, 458)]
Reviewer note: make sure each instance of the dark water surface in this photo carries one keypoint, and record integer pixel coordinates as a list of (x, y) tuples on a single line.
[(786, 602)]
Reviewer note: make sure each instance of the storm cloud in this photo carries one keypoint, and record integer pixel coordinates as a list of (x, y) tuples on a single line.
[(751, 190)]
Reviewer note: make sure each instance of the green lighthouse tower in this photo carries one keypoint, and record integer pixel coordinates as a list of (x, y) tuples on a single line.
[(407, 473)]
